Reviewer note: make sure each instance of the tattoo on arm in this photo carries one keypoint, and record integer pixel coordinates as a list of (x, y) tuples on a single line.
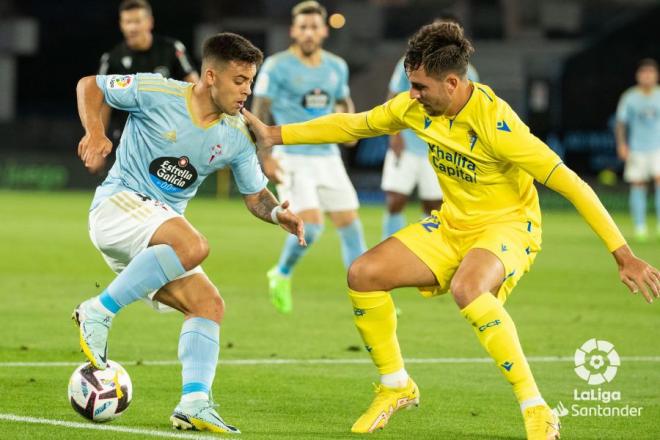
[(261, 204)]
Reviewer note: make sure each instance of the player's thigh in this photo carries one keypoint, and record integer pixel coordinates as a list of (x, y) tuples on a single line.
[(335, 190), (299, 182), (189, 244), (515, 245), (419, 255), (193, 295), (387, 266), (428, 187), (123, 224), (399, 173), (313, 216)]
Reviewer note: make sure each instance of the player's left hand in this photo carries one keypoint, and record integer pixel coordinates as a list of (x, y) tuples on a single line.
[(292, 223), (637, 274)]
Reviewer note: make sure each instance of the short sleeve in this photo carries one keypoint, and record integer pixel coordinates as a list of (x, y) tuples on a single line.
[(182, 65), (511, 140), (266, 85), (623, 109), (399, 81), (120, 91), (343, 90), (246, 168)]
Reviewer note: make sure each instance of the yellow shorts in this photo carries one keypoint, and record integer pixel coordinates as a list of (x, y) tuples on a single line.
[(442, 248)]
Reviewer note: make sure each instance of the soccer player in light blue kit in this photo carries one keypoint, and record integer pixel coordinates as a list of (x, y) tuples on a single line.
[(406, 163), (177, 134), (638, 142), (297, 85)]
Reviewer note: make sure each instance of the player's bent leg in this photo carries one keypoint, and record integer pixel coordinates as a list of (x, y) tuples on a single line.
[(394, 219), (351, 234), (388, 265), (279, 277), (165, 259), (199, 347), (477, 279)]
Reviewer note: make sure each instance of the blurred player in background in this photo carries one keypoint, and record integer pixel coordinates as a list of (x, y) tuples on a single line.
[(638, 142), (485, 237), (176, 135), (142, 51), (296, 85), (406, 163)]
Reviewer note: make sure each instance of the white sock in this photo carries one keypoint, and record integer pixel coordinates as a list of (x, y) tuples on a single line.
[(534, 401), (196, 395), (398, 379)]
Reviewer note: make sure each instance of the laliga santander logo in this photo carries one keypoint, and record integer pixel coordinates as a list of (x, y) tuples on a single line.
[(596, 361)]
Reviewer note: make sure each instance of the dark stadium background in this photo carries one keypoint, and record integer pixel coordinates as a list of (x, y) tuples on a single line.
[(562, 64)]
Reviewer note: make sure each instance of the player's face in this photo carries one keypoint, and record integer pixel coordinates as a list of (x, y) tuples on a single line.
[(230, 85), (136, 25), (434, 94), (647, 76), (308, 32)]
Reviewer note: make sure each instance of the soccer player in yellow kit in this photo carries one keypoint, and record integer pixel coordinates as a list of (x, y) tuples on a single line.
[(487, 233)]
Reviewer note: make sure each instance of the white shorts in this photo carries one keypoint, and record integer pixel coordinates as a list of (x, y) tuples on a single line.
[(122, 226), (642, 166), (315, 182), (409, 170)]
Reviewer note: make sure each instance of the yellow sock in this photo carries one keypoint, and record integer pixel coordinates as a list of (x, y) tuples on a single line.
[(375, 318), (497, 333)]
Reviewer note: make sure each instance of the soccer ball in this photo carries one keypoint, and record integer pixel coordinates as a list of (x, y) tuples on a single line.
[(100, 395)]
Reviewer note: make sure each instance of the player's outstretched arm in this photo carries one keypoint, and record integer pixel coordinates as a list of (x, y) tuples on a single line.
[(264, 205), (634, 272), (94, 146)]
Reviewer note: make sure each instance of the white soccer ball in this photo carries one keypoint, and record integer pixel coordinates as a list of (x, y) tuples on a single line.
[(100, 395)]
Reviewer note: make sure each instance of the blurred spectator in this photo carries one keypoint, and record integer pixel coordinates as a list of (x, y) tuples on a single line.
[(142, 51)]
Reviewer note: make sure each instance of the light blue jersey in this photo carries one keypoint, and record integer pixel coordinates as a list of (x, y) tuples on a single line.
[(641, 114), (299, 92), (164, 153), (399, 83)]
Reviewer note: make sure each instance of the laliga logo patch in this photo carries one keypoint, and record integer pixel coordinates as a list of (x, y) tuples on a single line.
[(172, 174), (119, 81), (596, 361)]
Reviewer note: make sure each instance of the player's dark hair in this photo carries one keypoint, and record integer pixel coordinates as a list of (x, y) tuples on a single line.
[(127, 5), (439, 48), (226, 47), (309, 7), (648, 62)]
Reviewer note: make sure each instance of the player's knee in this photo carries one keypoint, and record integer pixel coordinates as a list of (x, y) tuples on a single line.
[(363, 275), (465, 289), (208, 304), (193, 252)]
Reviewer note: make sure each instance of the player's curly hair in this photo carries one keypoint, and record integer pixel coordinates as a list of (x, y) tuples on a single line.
[(440, 48), (227, 46)]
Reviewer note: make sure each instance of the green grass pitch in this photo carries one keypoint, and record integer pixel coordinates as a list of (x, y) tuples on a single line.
[(48, 265)]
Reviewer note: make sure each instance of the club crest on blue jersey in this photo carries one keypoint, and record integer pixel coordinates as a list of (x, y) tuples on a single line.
[(316, 102), (216, 151), (172, 174)]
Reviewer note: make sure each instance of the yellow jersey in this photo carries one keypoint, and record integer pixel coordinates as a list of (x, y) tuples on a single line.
[(485, 157)]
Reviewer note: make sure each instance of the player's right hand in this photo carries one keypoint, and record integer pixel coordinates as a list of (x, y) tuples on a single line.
[(93, 149), (396, 144), (261, 131), (272, 169)]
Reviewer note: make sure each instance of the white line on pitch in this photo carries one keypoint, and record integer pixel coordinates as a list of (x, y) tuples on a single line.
[(124, 429), (473, 360)]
